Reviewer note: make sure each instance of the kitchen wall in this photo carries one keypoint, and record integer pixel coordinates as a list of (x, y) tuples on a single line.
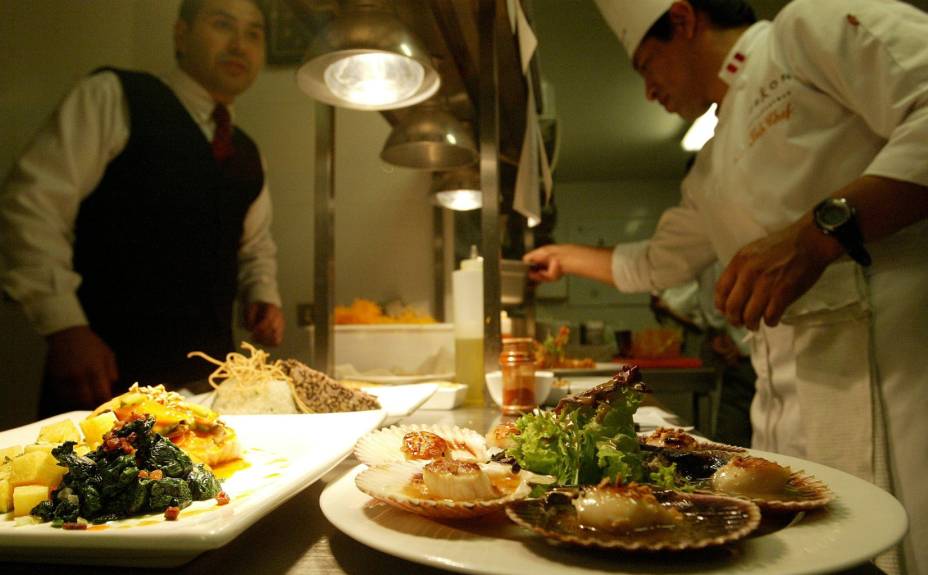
[(383, 220), (604, 213)]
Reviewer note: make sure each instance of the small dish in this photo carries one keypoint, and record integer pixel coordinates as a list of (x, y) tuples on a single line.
[(543, 382)]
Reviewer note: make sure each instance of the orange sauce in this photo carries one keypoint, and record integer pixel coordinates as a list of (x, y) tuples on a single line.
[(100, 527), (227, 469)]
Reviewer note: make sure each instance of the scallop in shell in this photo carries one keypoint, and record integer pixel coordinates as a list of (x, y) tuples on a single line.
[(405, 485), (769, 484), (420, 443), (678, 439), (681, 521)]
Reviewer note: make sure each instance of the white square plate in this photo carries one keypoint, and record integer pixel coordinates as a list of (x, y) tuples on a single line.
[(284, 454)]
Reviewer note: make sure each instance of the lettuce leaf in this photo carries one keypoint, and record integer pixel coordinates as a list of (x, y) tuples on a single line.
[(583, 444)]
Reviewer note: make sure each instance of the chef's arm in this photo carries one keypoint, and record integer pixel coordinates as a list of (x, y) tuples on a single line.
[(675, 254), (553, 261), (768, 275)]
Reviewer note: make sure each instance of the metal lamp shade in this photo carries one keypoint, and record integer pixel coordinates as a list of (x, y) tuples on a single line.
[(458, 189), (367, 32), (430, 138)]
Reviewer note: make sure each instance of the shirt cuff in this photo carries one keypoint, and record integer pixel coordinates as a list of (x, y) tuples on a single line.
[(262, 291), (55, 313)]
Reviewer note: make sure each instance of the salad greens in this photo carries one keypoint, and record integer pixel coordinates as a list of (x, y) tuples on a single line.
[(589, 437), (135, 470)]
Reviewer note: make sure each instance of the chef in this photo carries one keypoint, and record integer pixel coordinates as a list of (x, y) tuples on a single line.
[(814, 194)]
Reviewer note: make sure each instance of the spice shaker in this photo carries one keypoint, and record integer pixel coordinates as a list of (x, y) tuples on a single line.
[(517, 365)]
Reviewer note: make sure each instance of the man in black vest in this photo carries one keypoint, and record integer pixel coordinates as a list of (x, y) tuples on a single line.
[(140, 213)]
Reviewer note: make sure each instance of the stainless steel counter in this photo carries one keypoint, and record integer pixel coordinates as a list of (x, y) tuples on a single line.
[(297, 539)]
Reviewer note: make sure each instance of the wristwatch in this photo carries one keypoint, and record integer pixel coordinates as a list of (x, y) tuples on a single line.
[(836, 218)]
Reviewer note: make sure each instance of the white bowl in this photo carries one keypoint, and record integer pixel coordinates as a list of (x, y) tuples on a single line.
[(543, 382)]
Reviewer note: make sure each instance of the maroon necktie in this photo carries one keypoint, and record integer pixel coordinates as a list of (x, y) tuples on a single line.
[(222, 138)]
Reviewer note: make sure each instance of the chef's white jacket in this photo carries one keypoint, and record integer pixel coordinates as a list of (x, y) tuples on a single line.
[(829, 91), (63, 165)]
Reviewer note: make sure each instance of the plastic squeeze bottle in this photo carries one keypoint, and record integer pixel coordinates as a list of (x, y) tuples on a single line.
[(467, 288)]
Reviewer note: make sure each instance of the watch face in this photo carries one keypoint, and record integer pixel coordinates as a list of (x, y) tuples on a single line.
[(832, 214)]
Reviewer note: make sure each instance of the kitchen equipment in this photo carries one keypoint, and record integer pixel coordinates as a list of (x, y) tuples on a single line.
[(396, 349), (513, 280)]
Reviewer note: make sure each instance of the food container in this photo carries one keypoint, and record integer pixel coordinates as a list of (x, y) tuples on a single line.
[(543, 382), (517, 365), (400, 349), (513, 279)]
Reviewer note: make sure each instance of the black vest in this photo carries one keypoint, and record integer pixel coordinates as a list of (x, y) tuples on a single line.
[(156, 243)]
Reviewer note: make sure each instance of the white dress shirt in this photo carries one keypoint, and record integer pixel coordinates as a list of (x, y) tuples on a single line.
[(64, 165)]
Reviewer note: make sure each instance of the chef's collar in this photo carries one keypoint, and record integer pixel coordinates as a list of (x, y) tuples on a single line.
[(737, 57), (193, 96)]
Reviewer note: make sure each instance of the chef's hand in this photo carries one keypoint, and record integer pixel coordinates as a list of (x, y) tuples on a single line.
[(769, 274), (80, 367), (552, 262), (544, 263), (265, 321)]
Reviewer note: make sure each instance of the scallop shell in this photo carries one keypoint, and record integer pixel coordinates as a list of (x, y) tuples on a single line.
[(390, 483), (384, 445), (655, 439), (708, 520), (801, 492)]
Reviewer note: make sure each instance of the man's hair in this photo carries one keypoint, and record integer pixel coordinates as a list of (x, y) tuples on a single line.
[(189, 9), (722, 14)]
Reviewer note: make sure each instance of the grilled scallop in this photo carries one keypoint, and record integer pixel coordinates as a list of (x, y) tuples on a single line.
[(635, 518), (422, 443), (623, 508), (446, 489), (457, 480), (769, 484), (670, 438)]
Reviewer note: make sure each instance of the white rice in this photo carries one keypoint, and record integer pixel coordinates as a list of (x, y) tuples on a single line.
[(272, 396)]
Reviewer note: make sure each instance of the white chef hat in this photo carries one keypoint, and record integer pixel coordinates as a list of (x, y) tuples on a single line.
[(631, 19)]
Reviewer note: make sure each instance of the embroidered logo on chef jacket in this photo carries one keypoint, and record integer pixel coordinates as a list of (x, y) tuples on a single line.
[(771, 105)]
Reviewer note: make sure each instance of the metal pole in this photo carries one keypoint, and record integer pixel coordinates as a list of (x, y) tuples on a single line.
[(488, 114), (438, 260), (324, 240)]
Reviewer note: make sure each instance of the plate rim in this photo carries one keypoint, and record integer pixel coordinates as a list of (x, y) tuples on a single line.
[(341, 513), (177, 546)]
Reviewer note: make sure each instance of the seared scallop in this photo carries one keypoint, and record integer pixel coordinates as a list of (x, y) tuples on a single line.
[(432, 493), (623, 507), (422, 443), (457, 480)]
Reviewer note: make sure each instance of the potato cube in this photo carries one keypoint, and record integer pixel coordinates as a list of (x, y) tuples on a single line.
[(82, 449), (10, 452), (6, 469), (59, 432), (25, 497), (6, 496), (95, 427), (46, 447), (36, 468)]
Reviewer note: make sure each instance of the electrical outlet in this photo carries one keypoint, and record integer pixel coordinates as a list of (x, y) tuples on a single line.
[(304, 314)]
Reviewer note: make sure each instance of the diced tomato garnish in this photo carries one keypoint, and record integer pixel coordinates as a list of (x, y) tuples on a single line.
[(222, 498), (171, 513), (74, 526)]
